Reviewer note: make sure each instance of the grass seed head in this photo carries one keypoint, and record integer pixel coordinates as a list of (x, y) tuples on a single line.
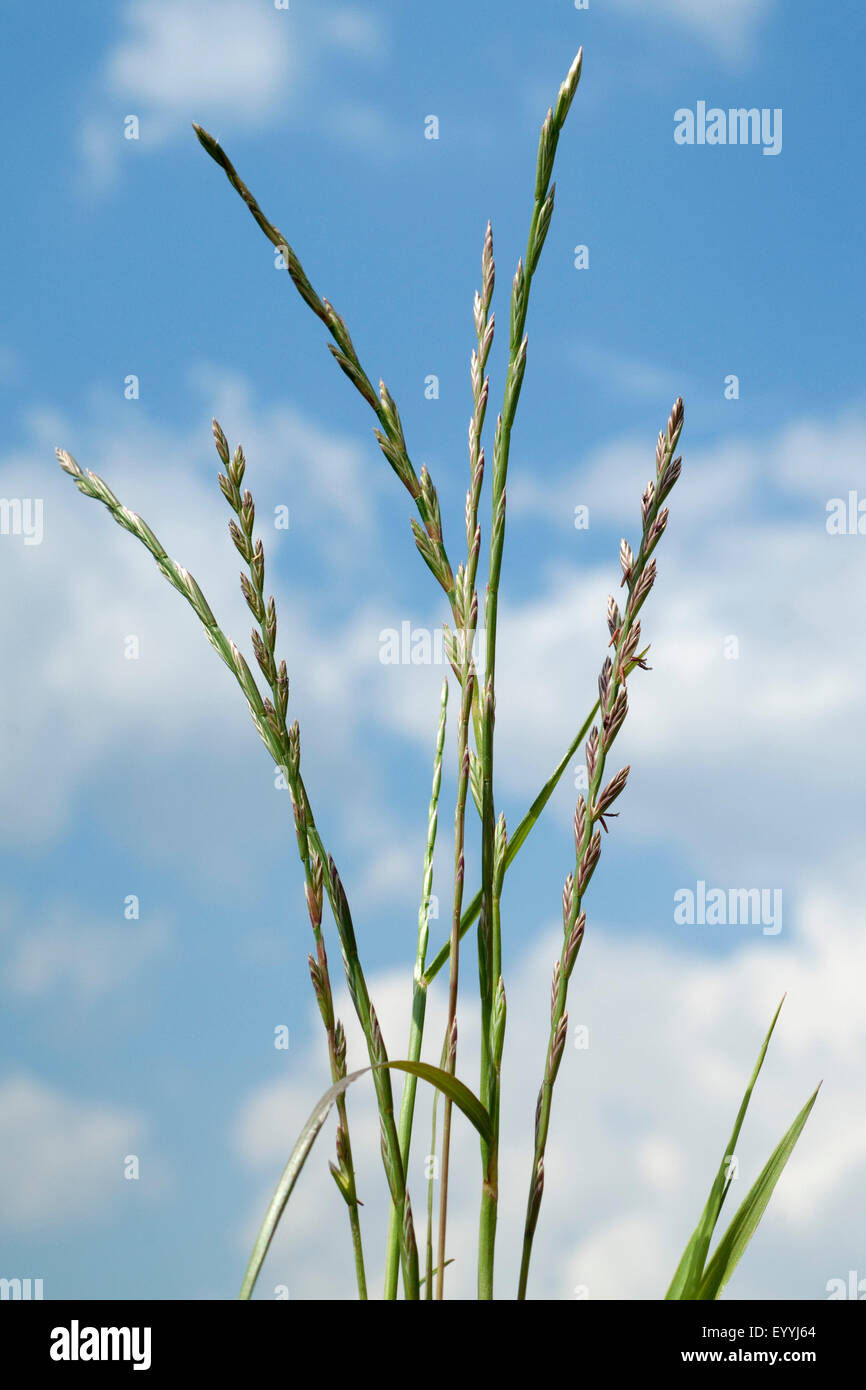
[(567, 900), (574, 939), (591, 752), (579, 824), (554, 988), (568, 89), (586, 867), (612, 721), (626, 560)]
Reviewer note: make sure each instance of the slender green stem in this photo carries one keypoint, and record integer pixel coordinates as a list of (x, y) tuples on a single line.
[(516, 841), (451, 1030), (264, 643), (489, 948), (419, 1002), (639, 575), (267, 722), (391, 439), (431, 1178), (394, 1168), (466, 606), (390, 436), (490, 1186)]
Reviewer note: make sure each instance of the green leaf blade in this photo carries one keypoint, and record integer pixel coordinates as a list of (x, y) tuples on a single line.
[(456, 1091), (686, 1282), (743, 1226)]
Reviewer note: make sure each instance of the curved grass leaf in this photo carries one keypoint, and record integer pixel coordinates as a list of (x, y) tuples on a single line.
[(742, 1228), (686, 1282), (456, 1091)]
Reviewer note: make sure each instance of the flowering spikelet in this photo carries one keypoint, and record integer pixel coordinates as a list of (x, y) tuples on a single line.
[(668, 478), (340, 1047), (378, 1054), (319, 989), (630, 645), (646, 501), (579, 824), (567, 899), (554, 989), (555, 1055), (573, 944), (314, 905), (587, 864), (592, 752), (611, 791), (641, 589), (626, 560), (604, 680), (612, 722)]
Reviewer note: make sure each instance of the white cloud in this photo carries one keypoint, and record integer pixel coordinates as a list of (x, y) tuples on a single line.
[(355, 30), (61, 1160), (729, 26), (72, 701), (224, 55), (640, 1117), (221, 63), (725, 570), (61, 955), (673, 1031), (619, 375)]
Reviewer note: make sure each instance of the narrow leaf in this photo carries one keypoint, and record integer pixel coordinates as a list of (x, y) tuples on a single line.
[(436, 1270), (733, 1243), (455, 1091), (461, 1095), (516, 840), (690, 1270)]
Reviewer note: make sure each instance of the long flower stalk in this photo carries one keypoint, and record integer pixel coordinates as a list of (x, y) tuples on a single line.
[(489, 947), (269, 720), (419, 1005), (638, 574), (462, 663), (428, 536), (264, 645)]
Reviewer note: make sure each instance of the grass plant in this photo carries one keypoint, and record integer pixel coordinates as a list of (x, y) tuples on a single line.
[(700, 1275)]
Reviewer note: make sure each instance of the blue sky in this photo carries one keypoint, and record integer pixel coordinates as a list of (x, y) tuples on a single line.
[(122, 258)]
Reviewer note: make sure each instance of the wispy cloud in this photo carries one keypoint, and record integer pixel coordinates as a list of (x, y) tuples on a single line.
[(730, 27), (218, 61), (620, 375), (639, 1116), (61, 1160), (82, 678), (65, 955), (746, 516)]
